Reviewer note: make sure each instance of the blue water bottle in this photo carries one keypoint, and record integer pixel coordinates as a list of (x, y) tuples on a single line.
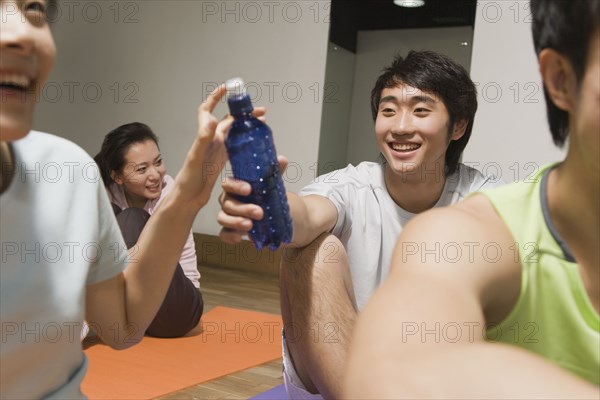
[(253, 159)]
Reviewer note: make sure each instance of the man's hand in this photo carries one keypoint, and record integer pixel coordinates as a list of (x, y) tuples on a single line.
[(236, 217)]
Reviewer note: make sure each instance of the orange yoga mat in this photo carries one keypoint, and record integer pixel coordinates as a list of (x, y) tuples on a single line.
[(232, 340)]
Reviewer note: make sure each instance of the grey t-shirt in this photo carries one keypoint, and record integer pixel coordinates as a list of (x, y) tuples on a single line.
[(369, 221), (60, 233)]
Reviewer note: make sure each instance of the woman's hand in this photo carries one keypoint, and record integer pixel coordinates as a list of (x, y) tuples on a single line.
[(208, 155)]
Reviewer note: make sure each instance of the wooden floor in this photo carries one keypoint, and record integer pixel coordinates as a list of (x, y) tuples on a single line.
[(221, 287)]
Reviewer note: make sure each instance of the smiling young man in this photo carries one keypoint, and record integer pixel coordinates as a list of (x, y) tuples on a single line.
[(346, 222), (522, 323)]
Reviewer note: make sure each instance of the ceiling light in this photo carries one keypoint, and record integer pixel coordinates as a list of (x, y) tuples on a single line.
[(409, 3)]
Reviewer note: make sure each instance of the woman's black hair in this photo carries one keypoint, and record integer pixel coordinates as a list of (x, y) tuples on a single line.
[(115, 145)]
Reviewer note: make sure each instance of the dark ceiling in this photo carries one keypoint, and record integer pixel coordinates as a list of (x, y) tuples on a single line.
[(350, 16)]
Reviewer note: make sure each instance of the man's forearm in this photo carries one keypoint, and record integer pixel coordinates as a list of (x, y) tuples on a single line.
[(311, 218), (463, 370), (299, 213)]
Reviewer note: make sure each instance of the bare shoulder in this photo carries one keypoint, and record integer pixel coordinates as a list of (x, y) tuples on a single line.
[(472, 218), (466, 245)]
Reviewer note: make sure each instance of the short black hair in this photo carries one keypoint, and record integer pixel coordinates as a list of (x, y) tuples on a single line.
[(438, 74), (565, 26), (115, 145)]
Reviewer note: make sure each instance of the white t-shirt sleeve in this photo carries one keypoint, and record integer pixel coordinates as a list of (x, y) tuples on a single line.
[(337, 186), (111, 255)]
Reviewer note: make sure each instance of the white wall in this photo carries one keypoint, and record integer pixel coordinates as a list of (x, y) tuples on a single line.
[(337, 103), (155, 61), (511, 137), (375, 50)]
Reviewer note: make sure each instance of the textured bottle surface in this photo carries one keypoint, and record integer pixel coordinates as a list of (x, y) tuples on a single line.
[(253, 159)]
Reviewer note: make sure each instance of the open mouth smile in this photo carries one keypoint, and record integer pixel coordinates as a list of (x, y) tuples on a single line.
[(16, 82), (404, 147)]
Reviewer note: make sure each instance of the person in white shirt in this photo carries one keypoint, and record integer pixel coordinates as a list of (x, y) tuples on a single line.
[(346, 222)]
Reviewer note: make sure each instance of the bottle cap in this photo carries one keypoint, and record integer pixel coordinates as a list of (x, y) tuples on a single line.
[(235, 87), (237, 98)]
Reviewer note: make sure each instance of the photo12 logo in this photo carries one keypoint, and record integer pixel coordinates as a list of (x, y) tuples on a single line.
[(252, 12), (92, 12), (288, 92), (248, 332)]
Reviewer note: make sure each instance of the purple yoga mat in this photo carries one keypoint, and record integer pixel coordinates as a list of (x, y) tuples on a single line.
[(277, 393)]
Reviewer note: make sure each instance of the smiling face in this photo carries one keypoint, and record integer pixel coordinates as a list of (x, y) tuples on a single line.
[(143, 173), (411, 130), (27, 53)]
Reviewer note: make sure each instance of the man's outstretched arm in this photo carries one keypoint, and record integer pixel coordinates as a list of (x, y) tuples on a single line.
[(422, 334)]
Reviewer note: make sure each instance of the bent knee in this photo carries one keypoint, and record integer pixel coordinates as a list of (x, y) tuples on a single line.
[(132, 214), (324, 257)]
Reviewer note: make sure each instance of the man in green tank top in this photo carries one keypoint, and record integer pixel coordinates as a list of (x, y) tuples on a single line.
[(511, 308)]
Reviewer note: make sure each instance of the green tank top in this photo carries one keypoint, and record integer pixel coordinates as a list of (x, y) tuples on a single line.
[(553, 316)]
